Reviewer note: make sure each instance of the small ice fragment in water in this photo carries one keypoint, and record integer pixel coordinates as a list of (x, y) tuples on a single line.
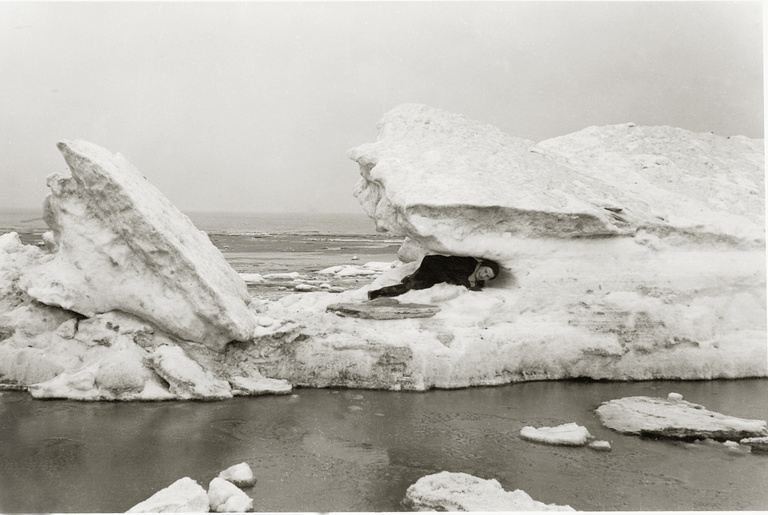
[(599, 445), (239, 475), (565, 434)]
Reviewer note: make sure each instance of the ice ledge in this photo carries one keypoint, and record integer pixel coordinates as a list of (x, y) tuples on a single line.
[(457, 186)]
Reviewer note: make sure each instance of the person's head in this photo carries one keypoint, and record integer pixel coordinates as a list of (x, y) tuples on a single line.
[(487, 270)]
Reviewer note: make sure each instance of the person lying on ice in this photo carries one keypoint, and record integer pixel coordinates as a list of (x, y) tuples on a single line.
[(463, 271)]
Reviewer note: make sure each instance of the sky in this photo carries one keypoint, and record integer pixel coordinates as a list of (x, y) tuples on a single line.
[(252, 106)]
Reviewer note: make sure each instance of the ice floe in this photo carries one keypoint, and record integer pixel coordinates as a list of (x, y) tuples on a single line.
[(187, 496), (677, 419), (183, 496), (565, 434), (457, 491), (225, 497), (239, 475)]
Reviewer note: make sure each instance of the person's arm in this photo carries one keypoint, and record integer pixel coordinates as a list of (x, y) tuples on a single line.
[(478, 286)]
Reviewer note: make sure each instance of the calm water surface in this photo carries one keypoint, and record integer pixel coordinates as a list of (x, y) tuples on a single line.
[(357, 450)]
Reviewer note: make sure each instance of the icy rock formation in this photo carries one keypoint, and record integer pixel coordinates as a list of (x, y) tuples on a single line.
[(456, 491), (676, 419), (183, 496), (119, 244), (627, 253)]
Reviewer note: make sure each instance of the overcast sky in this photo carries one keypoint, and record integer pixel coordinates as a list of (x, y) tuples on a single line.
[(252, 106)]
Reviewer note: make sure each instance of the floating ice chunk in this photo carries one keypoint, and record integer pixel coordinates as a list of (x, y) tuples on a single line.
[(450, 491), (252, 278), (283, 276), (675, 419), (239, 475), (599, 445), (227, 498), (759, 443), (183, 496), (330, 270), (354, 271), (565, 434), (382, 266)]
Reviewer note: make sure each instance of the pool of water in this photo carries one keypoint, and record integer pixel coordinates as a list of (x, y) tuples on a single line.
[(358, 450)]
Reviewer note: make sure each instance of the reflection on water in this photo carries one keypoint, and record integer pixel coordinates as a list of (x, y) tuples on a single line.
[(352, 450)]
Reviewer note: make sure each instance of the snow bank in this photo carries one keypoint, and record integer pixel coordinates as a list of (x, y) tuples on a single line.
[(677, 419), (452, 491)]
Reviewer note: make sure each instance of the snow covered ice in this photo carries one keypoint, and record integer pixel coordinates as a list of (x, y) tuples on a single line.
[(566, 434), (239, 475), (225, 497), (676, 418), (627, 253), (127, 281), (662, 279), (447, 491), (183, 496), (187, 496)]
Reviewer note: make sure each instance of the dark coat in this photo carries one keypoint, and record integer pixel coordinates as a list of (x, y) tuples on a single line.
[(436, 269)]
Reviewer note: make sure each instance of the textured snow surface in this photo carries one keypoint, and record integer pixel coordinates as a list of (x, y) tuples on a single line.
[(566, 434), (239, 475), (183, 496), (627, 253), (225, 497), (456, 491), (119, 244), (457, 186)]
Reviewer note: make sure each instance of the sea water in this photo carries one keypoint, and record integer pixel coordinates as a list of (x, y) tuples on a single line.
[(355, 450), (30, 220)]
